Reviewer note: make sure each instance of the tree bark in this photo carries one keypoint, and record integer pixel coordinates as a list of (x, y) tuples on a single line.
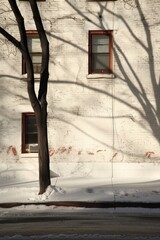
[(43, 151), (41, 111)]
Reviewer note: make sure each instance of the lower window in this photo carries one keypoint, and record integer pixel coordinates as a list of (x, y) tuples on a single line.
[(29, 133)]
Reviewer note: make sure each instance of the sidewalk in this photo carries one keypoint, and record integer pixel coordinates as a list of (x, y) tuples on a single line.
[(85, 192)]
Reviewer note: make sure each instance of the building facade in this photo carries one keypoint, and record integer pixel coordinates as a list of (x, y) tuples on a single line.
[(103, 92)]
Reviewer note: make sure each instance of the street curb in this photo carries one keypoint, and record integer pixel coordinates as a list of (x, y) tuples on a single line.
[(151, 205)]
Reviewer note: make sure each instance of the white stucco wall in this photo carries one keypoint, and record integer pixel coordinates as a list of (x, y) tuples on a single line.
[(105, 119)]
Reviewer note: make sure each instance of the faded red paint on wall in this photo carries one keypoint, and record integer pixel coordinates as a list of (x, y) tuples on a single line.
[(90, 153), (114, 155), (99, 151), (12, 149), (60, 150), (9, 148), (67, 150), (13, 153), (149, 154)]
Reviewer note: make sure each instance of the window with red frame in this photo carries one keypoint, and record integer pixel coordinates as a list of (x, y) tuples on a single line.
[(100, 52), (35, 51), (29, 133)]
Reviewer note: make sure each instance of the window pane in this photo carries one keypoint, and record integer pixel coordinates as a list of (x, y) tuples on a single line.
[(34, 44), (30, 119), (100, 39), (36, 59), (31, 138), (100, 63), (36, 68), (31, 129), (100, 48)]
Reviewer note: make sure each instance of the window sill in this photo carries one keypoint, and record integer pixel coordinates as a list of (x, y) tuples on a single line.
[(29, 155), (101, 76), (36, 77)]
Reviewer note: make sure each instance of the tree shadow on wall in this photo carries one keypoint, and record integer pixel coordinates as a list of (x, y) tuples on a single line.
[(147, 108), (150, 108)]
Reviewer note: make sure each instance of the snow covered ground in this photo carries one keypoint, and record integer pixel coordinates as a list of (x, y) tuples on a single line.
[(21, 185), (82, 188)]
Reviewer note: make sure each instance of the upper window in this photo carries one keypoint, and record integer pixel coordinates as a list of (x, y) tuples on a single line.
[(100, 52), (35, 51), (29, 133)]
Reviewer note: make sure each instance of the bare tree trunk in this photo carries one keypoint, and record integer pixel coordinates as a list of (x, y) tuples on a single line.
[(40, 109), (43, 151)]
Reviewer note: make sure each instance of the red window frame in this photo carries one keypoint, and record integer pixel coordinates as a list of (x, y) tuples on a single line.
[(108, 33), (24, 126), (30, 33)]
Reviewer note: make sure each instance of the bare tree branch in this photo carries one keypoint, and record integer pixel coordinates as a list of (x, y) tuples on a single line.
[(45, 50), (11, 38), (20, 22)]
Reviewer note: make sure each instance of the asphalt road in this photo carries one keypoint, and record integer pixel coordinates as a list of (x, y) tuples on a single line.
[(82, 225)]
